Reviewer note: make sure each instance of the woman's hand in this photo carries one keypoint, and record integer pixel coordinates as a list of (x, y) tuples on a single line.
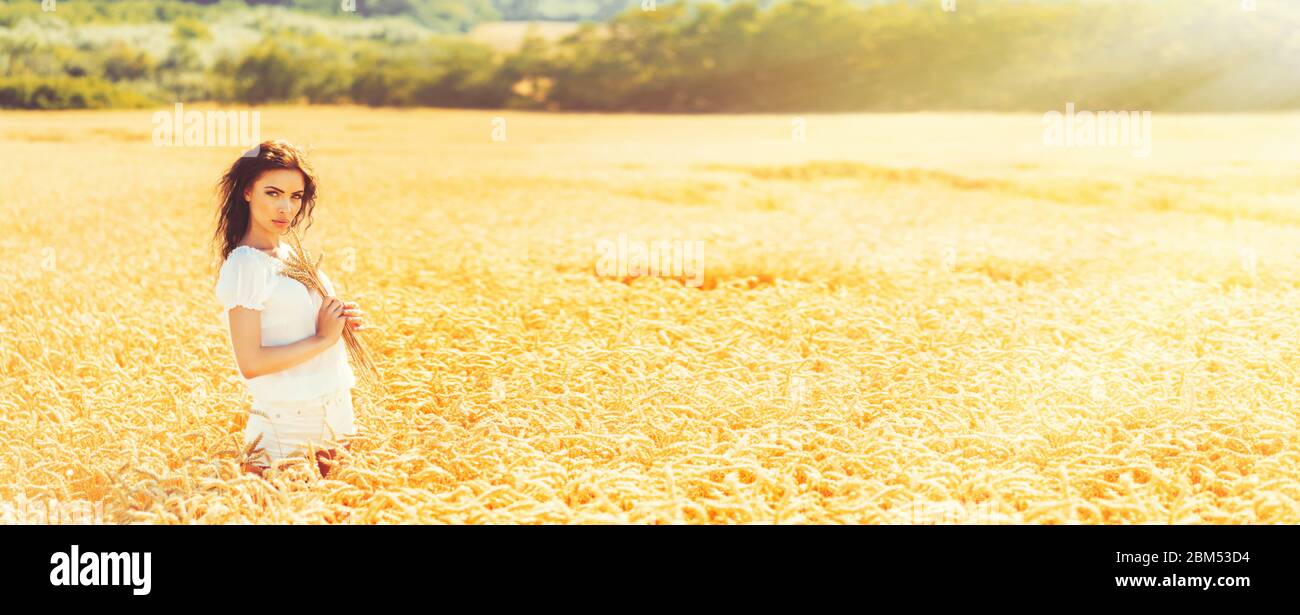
[(330, 319), (353, 313)]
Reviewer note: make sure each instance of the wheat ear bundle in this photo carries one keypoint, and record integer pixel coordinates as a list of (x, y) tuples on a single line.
[(300, 268)]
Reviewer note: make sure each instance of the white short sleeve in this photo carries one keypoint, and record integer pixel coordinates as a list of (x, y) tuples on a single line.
[(245, 280), (327, 283)]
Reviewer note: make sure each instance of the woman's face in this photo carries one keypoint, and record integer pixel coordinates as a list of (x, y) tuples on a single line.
[(274, 200)]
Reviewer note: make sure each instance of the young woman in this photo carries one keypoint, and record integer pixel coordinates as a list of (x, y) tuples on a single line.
[(287, 340)]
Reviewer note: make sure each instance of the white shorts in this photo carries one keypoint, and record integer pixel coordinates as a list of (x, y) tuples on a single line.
[(288, 427)]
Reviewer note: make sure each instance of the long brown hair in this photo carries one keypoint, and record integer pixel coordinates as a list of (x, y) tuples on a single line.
[(233, 215)]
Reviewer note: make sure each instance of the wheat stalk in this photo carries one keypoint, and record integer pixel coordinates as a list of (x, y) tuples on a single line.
[(299, 267)]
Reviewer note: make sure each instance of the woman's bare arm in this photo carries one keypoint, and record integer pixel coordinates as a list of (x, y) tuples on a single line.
[(255, 360)]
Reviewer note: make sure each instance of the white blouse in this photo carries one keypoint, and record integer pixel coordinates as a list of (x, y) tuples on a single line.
[(250, 278)]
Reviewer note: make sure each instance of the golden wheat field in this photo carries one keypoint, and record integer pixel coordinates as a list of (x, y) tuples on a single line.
[(905, 318)]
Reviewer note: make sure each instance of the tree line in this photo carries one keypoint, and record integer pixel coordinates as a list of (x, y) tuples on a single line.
[(742, 56)]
